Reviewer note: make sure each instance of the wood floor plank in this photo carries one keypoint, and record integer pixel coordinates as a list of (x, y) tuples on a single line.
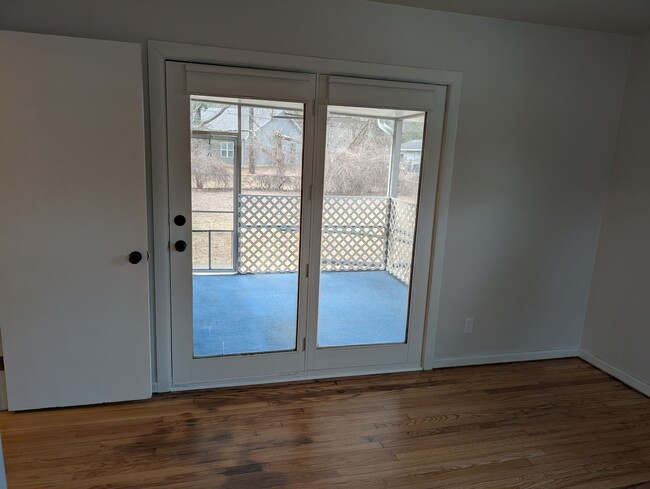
[(551, 424)]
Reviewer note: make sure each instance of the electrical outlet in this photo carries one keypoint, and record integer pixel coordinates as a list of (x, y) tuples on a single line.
[(469, 325)]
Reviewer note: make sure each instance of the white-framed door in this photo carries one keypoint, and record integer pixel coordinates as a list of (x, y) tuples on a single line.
[(379, 101), (220, 331), (402, 281)]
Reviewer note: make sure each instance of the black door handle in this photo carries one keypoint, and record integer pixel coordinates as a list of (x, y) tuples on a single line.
[(180, 220), (135, 257), (180, 245)]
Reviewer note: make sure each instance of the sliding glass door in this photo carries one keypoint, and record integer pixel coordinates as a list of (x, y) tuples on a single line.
[(380, 149), (300, 230)]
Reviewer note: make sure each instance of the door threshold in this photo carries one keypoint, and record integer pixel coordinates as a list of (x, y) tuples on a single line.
[(297, 376)]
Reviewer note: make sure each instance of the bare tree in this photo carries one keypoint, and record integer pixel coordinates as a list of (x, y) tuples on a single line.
[(252, 141), (358, 157), (207, 168), (197, 109)]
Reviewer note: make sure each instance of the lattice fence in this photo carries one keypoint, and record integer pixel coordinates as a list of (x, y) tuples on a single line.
[(355, 230), (401, 234), (269, 235), (359, 233)]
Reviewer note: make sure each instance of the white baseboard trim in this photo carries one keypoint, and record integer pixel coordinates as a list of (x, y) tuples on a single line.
[(605, 366), (502, 358)]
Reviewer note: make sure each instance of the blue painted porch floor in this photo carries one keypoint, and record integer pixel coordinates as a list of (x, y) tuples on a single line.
[(254, 313)]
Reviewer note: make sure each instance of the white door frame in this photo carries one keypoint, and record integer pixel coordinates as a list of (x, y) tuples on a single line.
[(158, 53), (184, 80), (363, 92)]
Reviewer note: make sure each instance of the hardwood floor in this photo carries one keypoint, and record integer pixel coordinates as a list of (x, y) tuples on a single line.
[(557, 423)]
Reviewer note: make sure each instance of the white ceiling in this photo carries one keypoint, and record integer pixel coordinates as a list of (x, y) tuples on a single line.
[(619, 16)]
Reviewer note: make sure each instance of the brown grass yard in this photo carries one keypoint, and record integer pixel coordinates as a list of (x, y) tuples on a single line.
[(213, 200)]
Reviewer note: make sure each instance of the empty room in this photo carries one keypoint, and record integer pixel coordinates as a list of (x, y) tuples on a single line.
[(324, 244)]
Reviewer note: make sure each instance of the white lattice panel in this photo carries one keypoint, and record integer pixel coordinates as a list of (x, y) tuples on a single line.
[(268, 210), (268, 233), (354, 233), (401, 233)]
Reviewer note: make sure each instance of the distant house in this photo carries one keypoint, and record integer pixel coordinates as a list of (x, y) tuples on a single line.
[(279, 138), (217, 126), (277, 134), (411, 155)]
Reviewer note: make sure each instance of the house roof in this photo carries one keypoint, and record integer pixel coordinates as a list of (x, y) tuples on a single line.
[(227, 122), (414, 145)]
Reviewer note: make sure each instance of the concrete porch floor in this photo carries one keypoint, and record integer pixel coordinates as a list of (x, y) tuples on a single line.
[(255, 313)]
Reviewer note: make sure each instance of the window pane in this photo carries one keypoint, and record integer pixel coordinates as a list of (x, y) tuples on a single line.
[(369, 210), (410, 159), (246, 180), (271, 150)]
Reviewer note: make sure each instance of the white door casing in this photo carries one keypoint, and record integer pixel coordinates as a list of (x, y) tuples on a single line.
[(160, 52), (74, 312)]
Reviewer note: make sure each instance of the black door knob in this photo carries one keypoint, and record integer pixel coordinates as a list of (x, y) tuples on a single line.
[(180, 220), (180, 245), (135, 257)]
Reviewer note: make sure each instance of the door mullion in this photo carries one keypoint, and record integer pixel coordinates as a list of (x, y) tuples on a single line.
[(316, 192), (307, 224)]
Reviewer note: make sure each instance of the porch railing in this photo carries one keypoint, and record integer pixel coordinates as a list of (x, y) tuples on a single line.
[(359, 234)]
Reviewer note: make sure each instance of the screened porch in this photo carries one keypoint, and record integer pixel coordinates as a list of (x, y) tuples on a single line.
[(246, 217)]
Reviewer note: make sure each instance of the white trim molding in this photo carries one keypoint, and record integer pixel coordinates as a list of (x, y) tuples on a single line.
[(628, 379), (159, 52), (504, 358)]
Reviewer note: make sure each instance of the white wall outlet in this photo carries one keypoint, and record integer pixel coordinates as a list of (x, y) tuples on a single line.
[(469, 325)]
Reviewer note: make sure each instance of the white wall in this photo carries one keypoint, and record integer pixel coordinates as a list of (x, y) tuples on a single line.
[(536, 137), (617, 328)]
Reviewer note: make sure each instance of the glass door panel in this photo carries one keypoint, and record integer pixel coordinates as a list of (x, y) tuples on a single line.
[(246, 165), (370, 204)]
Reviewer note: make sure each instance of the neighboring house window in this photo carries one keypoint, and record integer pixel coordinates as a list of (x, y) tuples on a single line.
[(228, 150)]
